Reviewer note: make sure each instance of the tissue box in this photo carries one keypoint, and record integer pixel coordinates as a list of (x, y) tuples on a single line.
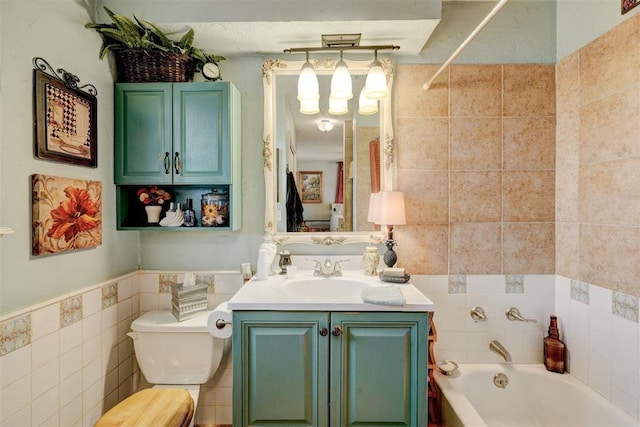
[(185, 302)]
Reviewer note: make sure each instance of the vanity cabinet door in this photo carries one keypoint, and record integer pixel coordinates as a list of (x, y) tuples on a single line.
[(379, 369), (280, 368)]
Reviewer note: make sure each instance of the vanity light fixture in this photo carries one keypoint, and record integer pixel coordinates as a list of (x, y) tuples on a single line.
[(308, 82), (376, 83), (325, 125), (341, 85), (367, 106), (341, 81)]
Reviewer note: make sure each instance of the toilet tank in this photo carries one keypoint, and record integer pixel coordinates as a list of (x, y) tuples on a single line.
[(172, 352)]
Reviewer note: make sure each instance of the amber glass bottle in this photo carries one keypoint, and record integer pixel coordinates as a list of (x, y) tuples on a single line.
[(554, 348)]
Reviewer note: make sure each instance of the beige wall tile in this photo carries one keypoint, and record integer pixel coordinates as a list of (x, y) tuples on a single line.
[(567, 249), (423, 143), (426, 196), (567, 194), (528, 196), (412, 100), (475, 90), (610, 192), (423, 249), (528, 248), (609, 128), (529, 90), (567, 139), (529, 142), (611, 63), (568, 84), (475, 248), (475, 143), (609, 257), (475, 197)]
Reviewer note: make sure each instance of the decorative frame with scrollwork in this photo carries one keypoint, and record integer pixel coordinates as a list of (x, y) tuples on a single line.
[(270, 69)]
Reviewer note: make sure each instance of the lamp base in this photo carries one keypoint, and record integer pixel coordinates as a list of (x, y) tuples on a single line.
[(390, 258)]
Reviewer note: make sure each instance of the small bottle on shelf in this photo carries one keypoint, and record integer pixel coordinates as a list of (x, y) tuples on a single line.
[(554, 348), (189, 214)]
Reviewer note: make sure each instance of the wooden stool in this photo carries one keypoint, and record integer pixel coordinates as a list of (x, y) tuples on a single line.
[(157, 407)]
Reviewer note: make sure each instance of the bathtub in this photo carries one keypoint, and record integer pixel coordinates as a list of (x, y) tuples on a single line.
[(533, 397)]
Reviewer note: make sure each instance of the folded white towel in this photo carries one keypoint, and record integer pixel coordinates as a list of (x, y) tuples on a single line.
[(384, 295)]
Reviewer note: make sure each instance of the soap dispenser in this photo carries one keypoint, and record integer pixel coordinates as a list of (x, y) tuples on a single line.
[(554, 348)]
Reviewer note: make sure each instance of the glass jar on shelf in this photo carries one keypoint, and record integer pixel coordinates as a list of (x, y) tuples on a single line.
[(215, 208)]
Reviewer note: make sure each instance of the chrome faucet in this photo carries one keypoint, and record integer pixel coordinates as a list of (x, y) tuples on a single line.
[(498, 348), (327, 269)]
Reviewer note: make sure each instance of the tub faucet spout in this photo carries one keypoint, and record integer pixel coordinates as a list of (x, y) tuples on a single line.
[(498, 348)]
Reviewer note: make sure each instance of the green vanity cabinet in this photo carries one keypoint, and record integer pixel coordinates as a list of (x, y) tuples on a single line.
[(329, 368), (176, 133)]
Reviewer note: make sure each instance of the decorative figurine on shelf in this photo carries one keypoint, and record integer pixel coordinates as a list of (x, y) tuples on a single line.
[(174, 217)]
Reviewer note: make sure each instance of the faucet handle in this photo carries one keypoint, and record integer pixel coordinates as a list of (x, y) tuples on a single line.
[(317, 269), (337, 267), (514, 314)]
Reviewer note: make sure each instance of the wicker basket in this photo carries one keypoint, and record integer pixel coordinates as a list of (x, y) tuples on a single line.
[(139, 65)]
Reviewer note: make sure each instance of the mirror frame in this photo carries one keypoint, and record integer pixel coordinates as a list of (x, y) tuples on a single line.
[(270, 69)]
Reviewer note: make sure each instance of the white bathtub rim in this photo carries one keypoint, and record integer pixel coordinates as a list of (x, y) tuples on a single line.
[(467, 414)]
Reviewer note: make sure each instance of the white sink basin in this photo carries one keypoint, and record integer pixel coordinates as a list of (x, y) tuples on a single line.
[(324, 287)]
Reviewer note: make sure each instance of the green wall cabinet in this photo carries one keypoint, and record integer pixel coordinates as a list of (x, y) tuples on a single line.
[(329, 368), (186, 135)]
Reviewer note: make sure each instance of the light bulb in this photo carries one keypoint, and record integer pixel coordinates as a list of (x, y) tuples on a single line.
[(325, 125), (341, 82), (338, 106), (367, 106), (309, 106), (376, 83), (308, 83)]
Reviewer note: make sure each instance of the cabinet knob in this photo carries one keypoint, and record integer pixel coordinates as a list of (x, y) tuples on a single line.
[(176, 163), (324, 332), (336, 331), (167, 163)]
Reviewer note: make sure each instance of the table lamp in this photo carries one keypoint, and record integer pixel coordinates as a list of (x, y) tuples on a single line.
[(390, 212)]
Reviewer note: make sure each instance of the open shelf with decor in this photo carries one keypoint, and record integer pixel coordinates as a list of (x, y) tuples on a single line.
[(220, 200)]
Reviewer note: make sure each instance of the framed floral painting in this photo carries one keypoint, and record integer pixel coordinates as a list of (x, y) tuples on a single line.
[(627, 5), (310, 186), (66, 214)]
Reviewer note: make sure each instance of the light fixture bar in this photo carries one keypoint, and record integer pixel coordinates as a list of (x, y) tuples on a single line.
[(340, 48)]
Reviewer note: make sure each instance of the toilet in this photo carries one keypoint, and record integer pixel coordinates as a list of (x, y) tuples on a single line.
[(176, 355)]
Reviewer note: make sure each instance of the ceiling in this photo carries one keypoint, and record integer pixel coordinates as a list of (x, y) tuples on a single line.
[(258, 27)]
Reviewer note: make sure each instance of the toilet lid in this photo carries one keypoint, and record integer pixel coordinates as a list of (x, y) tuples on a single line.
[(165, 321)]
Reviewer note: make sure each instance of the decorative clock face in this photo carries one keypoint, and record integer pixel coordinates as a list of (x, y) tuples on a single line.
[(210, 71)]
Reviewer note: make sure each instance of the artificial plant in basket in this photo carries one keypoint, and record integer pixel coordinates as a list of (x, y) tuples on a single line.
[(126, 34)]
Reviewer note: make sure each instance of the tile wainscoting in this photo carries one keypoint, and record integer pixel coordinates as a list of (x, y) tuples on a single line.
[(66, 361)]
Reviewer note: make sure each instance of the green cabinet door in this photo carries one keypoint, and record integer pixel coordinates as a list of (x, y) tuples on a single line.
[(379, 369), (280, 368), (143, 133), (329, 369), (201, 138), (175, 133)]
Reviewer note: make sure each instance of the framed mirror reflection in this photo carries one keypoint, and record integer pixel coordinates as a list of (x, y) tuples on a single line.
[(321, 168)]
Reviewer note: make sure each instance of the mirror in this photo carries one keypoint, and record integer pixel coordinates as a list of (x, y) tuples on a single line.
[(335, 205)]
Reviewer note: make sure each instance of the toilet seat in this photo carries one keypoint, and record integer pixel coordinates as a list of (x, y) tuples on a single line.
[(157, 407)]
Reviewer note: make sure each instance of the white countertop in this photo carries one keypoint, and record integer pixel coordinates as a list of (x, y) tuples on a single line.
[(276, 293)]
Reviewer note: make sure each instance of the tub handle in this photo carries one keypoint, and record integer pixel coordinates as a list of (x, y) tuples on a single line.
[(514, 314), (478, 315)]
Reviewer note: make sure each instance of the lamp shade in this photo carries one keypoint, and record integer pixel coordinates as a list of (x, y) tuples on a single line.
[(309, 106), (373, 208), (338, 106), (308, 83), (391, 210), (367, 106), (376, 83), (341, 82)]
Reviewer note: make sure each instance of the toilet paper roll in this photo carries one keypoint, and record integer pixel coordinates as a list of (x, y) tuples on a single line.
[(219, 322)]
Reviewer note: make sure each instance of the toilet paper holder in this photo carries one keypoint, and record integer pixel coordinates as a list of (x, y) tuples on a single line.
[(221, 323)]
